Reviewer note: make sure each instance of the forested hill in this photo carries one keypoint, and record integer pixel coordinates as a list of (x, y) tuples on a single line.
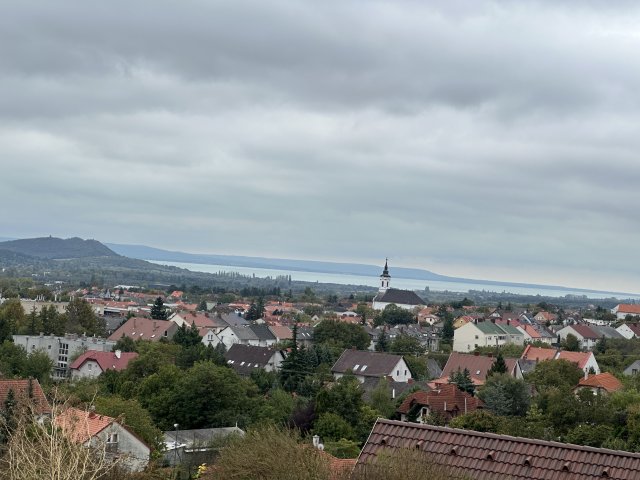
[(58, 248)]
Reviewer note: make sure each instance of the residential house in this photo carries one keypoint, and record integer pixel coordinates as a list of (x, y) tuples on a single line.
[(199, 319), (365, 364), (305, 336), (195, 447), (281, 333), (406, 299), (485, 334), (629, 330), (256, 335), (27, 392), (623, 309), (599, 384), (145, 329), (531, 356), (584, 333), (92, 363), (209, 337), (446, 401), (479, 455), (427, 315), (536, 334), (632, 369), (61, 349), (103, 432), (245, 359), (477, 365), (545, 317), (606, 331)]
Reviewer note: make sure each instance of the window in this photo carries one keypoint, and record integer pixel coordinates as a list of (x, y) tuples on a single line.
[(112, 443), (356, 367), (476, 337), (405, 373), (397, 373), (363, 368), (90, 366), (634, 371)]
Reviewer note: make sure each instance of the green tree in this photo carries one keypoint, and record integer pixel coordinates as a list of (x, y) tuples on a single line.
[(125, 344), (158, 310), (499, 366), (571, 343), (12, 319), (341, 334), (478, 420), (505, 395), (382, 345), (344, 398), (406, 345), (187, 336), (447, 331), (550, 374), (331, 427), (82, 319), (462, 379), (13, 359), (381, 399), (132, 414), (395, 315), (38, 365)]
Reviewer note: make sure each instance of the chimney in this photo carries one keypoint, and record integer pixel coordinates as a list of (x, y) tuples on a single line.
[(118, 353), (476, 354), (508, 321), (155, 325), (316, 441)]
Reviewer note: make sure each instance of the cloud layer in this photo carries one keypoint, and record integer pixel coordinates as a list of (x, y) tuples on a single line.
[(493, 139)]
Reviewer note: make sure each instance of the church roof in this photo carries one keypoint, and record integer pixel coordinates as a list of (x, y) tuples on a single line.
[(385, 272), (404, 297)]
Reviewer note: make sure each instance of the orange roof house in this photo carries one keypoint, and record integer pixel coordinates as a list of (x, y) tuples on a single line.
[(446, 400), (602, 383), (92, 363), (105, 433), (533, 355), (28, 391)]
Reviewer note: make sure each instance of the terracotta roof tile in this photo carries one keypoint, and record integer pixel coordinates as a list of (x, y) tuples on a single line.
[(605, 381), (478, 366), (81, 425), (145, 328), (629, 308), (106, 360), (447, 399), (511, 457), (21, 392)]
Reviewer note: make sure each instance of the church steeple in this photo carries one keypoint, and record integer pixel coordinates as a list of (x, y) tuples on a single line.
[(385, 278)]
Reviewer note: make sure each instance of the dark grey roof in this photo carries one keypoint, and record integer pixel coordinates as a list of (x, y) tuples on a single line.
[(406, 297), (370, 364), (305, 333), (246, 358), (244, 333), (262, 332), (433, 368), (605, 331), (233, 319)]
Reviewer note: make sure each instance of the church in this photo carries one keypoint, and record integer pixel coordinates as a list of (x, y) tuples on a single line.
[(406, 299)]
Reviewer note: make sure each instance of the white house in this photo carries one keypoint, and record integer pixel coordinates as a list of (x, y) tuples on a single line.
[(365, 364), (107, 434), (209, 337), (386, 296), (623, 309), (92, 363), (485, 334), (585, 335), (629, 330), (246, 358)]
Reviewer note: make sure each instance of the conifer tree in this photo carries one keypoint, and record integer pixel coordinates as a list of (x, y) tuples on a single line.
[(383, 342), (158, 310), (499, 366)]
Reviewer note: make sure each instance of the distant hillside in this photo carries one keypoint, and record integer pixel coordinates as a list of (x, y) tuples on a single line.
[(58, 248), (150, 253)]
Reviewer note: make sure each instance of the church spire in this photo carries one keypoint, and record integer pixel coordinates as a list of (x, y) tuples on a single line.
[(385, 278)]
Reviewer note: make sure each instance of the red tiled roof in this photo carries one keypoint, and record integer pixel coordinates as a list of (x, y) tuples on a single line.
[(529, 330), (478, 366), (447, 399), (487, 455), (145, 328), (635, 328), (281, 333), (580, 358), (631, 309), (585, 331), (106, 360), (605, 381), (80, 425), (22, 390), (538, 354)]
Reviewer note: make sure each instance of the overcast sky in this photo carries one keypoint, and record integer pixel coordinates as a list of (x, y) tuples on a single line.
[(494, 140)]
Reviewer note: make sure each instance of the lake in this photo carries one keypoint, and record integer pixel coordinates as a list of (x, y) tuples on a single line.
[(396, 282)]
